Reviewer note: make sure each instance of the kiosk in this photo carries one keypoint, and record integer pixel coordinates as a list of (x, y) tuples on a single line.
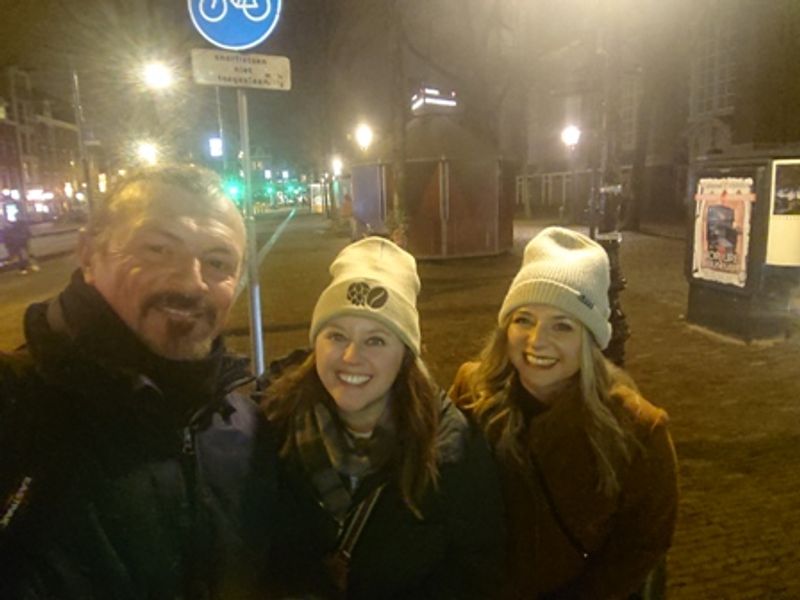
[(459, 191), (744, 257)]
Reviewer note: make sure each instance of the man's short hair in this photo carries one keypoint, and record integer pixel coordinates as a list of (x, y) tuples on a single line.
[(116, 206)]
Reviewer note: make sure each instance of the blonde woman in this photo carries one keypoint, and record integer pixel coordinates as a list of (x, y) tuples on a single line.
[(379, 472), (588, 465)]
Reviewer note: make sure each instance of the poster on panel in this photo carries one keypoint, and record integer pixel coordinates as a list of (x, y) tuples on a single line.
[(783, 236), (723, 208)]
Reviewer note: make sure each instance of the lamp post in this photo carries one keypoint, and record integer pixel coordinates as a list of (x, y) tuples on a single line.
[(337, 165), (147, 152), (158, 78), (80, 123), (364, 136), (570, 136), (157, 75)]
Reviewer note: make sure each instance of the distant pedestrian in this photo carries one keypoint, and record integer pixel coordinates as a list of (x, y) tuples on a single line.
[(3, 229), (589, 467), (17, 237), (347, 213), (386, 491)]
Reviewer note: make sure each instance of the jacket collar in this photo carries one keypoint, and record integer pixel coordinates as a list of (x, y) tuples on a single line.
[(78, 341)]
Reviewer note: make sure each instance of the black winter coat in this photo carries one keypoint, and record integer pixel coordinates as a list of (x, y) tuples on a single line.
[(110, 495), (455, 552)]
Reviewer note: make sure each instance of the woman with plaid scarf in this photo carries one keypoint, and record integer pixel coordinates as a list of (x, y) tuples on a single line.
[(384, 490)]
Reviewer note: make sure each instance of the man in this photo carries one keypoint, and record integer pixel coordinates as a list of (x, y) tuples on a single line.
[(128, 465)]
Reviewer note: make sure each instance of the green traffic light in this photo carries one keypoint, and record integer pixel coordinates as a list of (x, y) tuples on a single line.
[(233, 188)]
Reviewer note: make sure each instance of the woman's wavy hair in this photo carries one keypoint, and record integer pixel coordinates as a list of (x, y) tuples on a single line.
[(416, 411), (609, 432)]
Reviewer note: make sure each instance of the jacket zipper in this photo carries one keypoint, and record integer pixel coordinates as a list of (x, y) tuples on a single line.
[(188, 441), (189, 466)]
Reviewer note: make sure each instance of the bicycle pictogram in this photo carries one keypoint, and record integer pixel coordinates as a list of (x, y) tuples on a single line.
[(235, 24), (214, 11)]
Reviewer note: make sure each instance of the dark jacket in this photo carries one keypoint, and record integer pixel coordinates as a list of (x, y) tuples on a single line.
[(456, 551), (112, 493), (17, 235), (624, 535)]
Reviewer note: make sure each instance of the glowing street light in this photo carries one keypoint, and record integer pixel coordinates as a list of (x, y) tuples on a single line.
[(570, 135), (147, 152), (215, 147), (364, 136), (337, 165), (157, 75)]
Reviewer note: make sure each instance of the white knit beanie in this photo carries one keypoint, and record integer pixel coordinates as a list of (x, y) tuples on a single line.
[(567, 270), (377, 279)]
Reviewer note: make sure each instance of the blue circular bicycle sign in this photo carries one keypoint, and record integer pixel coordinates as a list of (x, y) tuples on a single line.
[(235, 24)]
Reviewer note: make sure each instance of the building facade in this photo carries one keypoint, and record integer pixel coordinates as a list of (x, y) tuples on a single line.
[(39, 150), (656, 91)]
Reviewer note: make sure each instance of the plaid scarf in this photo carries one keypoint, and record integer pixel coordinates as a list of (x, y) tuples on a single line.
[(330, 453)]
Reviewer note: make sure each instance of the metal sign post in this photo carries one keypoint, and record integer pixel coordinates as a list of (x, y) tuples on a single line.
[(256, 333), (260, 71), (238, 25)]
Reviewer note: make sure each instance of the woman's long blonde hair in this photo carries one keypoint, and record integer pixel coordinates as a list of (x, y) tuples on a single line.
[(416, 411), (610, 436)]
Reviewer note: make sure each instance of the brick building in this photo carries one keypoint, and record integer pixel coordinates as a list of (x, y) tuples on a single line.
[(656, 91), (39, 152)]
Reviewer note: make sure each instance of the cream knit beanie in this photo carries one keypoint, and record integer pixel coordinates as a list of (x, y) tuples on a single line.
[(567, 270), (377, 279)]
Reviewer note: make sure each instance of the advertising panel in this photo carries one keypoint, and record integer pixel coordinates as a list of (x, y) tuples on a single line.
[(723, 209), (783, 236)]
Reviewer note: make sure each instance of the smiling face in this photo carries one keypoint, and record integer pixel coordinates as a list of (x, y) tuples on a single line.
[(168, 267), (544, 345), (357, 360)]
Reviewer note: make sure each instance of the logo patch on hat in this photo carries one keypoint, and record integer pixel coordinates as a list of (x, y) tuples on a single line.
[(585, 301), (361, 294)]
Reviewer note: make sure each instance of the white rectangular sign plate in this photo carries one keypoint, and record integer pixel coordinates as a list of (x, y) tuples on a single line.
[(234, 69)]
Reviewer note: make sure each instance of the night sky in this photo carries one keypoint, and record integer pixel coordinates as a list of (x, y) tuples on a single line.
[(106, 39)]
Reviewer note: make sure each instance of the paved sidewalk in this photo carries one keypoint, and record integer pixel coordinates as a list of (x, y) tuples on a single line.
[(49, 240), (734, 408)]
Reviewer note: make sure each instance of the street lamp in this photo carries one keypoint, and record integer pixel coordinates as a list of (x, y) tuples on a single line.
[(364, 136), (147, 152), (570, 136), (157, 75), (337, 165), (215, 147)]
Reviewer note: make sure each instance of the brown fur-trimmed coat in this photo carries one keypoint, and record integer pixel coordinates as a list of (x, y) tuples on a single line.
[(625, 535)]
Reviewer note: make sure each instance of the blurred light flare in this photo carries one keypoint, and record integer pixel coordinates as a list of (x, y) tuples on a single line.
[(215, 147), (364, 136), (337, 166), (570, 136), (147, 152), (157, 75)]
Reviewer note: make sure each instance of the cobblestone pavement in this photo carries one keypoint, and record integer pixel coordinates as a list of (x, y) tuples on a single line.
[(734, 408)]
